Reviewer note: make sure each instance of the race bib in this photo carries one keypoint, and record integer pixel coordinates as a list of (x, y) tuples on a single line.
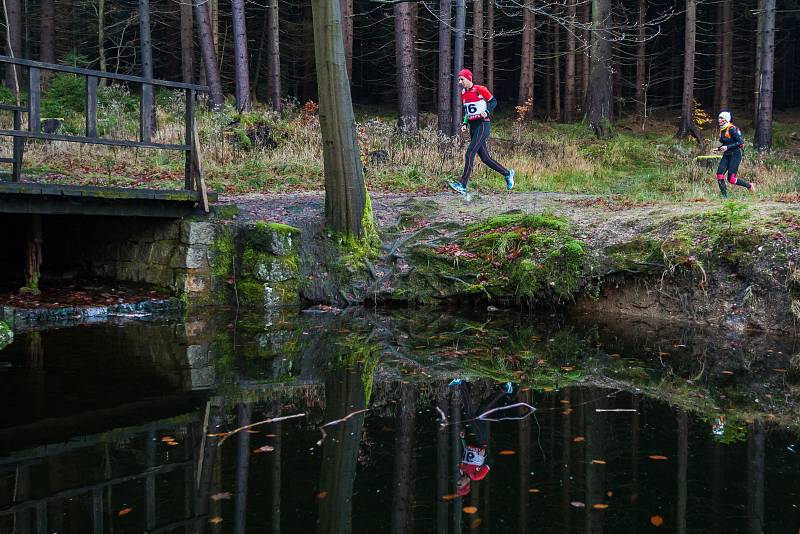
[(474, 455), (473, 110)]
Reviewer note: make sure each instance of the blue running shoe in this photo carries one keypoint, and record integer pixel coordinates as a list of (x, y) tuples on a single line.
[(508, 388), (510, 179), (458, 188), (455, 382)]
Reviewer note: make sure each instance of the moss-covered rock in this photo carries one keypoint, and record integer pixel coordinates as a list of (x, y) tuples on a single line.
[(275, 238), (6, 335)]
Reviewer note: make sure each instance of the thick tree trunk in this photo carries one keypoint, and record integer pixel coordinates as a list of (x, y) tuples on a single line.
[(187, 42), (47, 44), (598, 106), (209, 54), (757, 74), (458, 62), (274, 55), (403, 494), (557, 71), (146, 52), (569, 68), (240, 56), (490, 45), (687, 125), (527, 56), (13, 44), (346, 7), (585, 63), (763, 133), (445, 91), (345, 194), (406, 66), (726, 59), (641, 77), (101, 37), (477, 41)]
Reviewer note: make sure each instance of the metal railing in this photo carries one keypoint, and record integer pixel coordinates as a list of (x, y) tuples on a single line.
[(146, 118)]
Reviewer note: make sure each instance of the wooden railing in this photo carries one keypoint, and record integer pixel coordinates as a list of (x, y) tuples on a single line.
[(146, 125)]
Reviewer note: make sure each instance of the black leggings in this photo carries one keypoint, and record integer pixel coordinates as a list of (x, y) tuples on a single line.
[(479, 133), (730, 164)]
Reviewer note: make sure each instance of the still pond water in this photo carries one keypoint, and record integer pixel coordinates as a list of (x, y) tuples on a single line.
[(158, 425)]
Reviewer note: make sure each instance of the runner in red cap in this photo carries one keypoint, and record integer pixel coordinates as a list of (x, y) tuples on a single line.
[(478, 107)]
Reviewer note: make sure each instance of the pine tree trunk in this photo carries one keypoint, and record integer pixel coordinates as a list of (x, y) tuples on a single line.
[(763, 133), (146, 53), (586, 68), (525, 94), (718, 56), (101, 38), (641, 77), (240, 56), (445, 91), (346, 7), (187, 42), (757, 74), (557, 71), (477, 41), (598, 105), (345, 194), (13, 44), (569, 69), (726, 61), (490, 45), (274, 55), (687, 125), (47, 45), (458, 62), (406, 66), (209, 54)]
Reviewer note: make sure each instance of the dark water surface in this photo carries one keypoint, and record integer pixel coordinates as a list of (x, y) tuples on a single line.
[(638, 426)]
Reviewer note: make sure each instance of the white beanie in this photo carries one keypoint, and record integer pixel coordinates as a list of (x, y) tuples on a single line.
[(725, 115)]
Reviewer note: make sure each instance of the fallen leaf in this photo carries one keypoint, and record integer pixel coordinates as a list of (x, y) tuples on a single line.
[(225, 495), (265, 448), (219, 435), (216, 520), (609, 493), (656, 520), (663, 353), (172, 443), (779, 370), (578, 504), (450, 497), (564, 401), (600, 506), (727, 372), (568, 368), (548, 389), (252, 431), (124, 511), (506, 453), (599, 462), (270, 435), (470, 510), (321, 495), (657, 457), (578, 439), (533, 490), (167, 438), (567, 411), (475, 523)]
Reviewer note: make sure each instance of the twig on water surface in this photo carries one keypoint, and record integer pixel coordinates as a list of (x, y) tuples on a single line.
[(336, 422), (265, 422)]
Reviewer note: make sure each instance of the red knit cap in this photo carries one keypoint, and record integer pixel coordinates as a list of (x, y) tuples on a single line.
[(466, 73)]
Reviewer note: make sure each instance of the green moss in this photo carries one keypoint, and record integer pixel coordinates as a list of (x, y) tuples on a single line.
[(355, 251), (251, 292), (279, 228), (6, 335), (223, 250), (639, 255), (226, 211)]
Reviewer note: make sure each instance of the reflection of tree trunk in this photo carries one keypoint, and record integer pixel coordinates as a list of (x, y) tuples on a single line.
[(524, 465), (635, 461), (442, 472), (208, 467), (242, 470), (566, 444), (344, 393), (455, 428), (755, 477), (683, 463), (595, 472), (717, 480), (22, 489), (402, 518), (487, 482), (150, 482), (276, 471)]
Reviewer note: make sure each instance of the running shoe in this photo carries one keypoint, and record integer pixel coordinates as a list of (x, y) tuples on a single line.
[(455, 382), (510, 179), (508, 388), (752, 187), (458, 187)]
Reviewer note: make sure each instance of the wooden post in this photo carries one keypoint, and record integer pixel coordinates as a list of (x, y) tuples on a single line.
[(188, 165), (19, 148), (198, 161), (33, 257), (91, 106), (34, 98)]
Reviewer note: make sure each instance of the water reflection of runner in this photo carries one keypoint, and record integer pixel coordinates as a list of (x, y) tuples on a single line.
[(475, 460)]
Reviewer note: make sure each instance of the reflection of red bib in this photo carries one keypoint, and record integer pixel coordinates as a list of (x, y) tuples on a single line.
[(474, 100), (473, 463)]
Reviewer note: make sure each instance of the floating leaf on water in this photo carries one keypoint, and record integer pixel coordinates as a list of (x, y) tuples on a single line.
[(727, 372), (600, 506), (578, 439), (578, 504), (172, 443), (219, 435), (265, 448), (779, 370), (616, 355), (564, 401), (450, 497), (216, 520), (224, 496), (656, 520), (470, 510), (270, 435), (322, 495), (507, 452), (475, 523), (663, 353), (599, 462), (249, 431), (567, 411), (533, 490), (167, 438), (547, 389), (609, 493), (124, 511), (657, 457)]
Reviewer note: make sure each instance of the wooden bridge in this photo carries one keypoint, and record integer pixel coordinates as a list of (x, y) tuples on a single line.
[(35, 198)]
